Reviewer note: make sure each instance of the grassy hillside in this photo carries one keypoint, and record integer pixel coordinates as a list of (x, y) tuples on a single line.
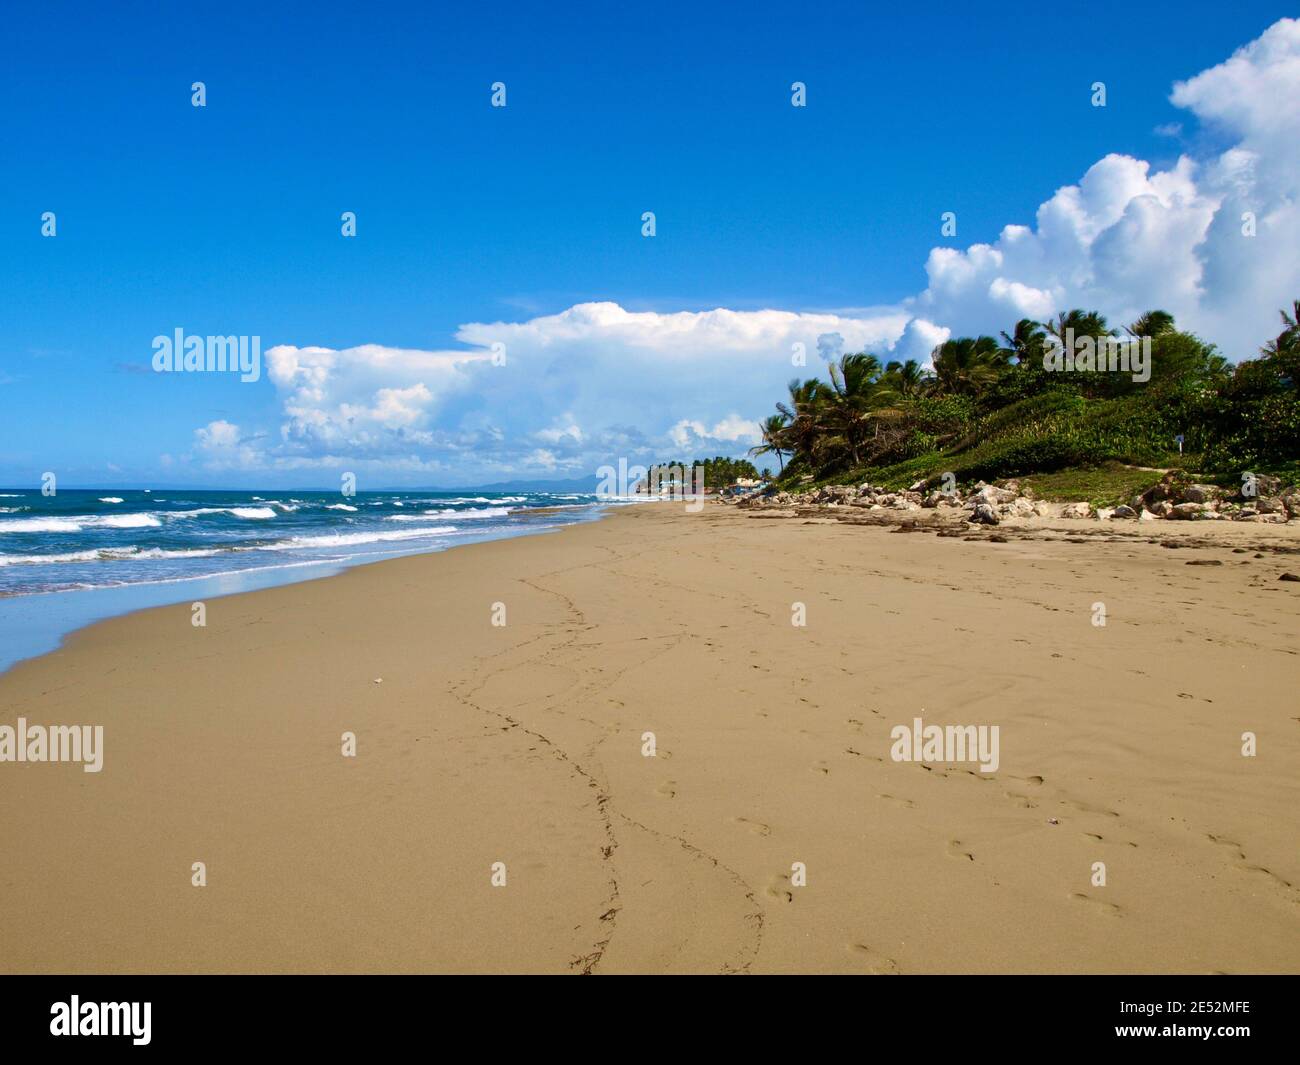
[(988, 412)]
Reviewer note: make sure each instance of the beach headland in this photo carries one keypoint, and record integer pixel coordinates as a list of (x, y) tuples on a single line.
[(667, 742)]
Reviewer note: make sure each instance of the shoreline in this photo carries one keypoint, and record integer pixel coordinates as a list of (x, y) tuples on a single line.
[(78, 608), (524, 744)]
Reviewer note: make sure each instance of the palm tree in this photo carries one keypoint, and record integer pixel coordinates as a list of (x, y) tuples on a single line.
[(803, 414), (1077, 323), (854, 397), (1284, 349), (1025, 343), (1151, 324), (966, 365), (773, 433), (1287, 341), (905, 378)]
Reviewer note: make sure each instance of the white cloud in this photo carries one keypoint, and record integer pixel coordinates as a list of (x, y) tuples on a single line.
[(1125, 238), (570, 432), (221, 446), (621, 377), (542, 458), (364, 400), (724, 436)]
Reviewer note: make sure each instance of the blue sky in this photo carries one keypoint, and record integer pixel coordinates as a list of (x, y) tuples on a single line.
[(225, 219)]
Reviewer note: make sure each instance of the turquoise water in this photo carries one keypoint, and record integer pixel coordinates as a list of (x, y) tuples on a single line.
[(80, 556)]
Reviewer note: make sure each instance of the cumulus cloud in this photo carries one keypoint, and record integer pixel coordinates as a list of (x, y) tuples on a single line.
[(725, 434), (621, 377), (1125, 237), (221, 445), (364, 400)]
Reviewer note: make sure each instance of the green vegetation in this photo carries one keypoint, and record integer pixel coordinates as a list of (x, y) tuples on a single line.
[(718, 472), (1107, 485), (990, 409)]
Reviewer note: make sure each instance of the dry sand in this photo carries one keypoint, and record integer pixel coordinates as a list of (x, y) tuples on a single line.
[(523, 744)]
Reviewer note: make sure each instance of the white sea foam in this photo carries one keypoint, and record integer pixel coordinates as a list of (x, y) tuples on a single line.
[(348, 539), (125, 521), (453, 515), (79, 522), (340, 506), (28, 525), (248, 513), (111, 499), (35, 560), (108, 554)]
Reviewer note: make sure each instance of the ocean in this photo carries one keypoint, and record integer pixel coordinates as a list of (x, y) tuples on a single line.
[(81, 555)]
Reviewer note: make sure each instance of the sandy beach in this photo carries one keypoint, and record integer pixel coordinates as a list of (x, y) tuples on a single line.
[(524, 744)]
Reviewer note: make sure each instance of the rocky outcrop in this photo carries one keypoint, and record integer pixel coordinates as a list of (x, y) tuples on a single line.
[(1175, 498)]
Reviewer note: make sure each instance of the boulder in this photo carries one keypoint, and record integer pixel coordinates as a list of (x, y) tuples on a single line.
[(984, 515), (993, 496), (1187, 511), (1124, 511), (1076, 510), (1268, 485), (1198, 493), (1157, 492)]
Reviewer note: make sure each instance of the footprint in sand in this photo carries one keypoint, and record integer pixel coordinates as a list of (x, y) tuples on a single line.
[(821, 767), (860, 754), (1023, 801), (1245, 864), (875, 961), (777, 889), (907, 804), (756, 827), (957, 849), (1088, 808), (668, 789), (1108, 909), (1223, 841)]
